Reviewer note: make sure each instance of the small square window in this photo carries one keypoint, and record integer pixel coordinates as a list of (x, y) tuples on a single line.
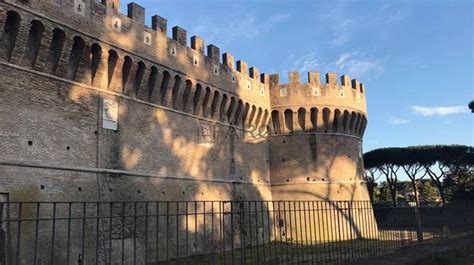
[(173, 51), (147, 38), (342, 94), (195, 60), (117, 24), (80, 7), (216, 70), (233, 79), (262, 91), (283, 92), (315, 91)]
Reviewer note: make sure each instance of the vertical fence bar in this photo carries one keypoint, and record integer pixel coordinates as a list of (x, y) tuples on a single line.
[(186, 236), (177, 232), (68, 240), (232, 231), (373, 225), (135, 233), (256, 230), (195, 228), (20, 210), (146, 232), (339, 211), (250, 233), (263, 231), (204, 227), (349, 225), (168, 231), (123, 233), (8, 246), (242, 227), (212, 233), (83, 245), (97, 234), (222, 228), (373, 235), (110, 231), (297, 245), (53, 234), (328, 220), (275, 230), (300, 225), (36, 232), (285, 226), (281, 224), (316, 233), (311, 244), (157, 231), (290, 215), (269, 230)]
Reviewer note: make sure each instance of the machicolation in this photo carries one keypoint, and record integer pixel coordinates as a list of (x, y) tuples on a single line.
[(97, 106)]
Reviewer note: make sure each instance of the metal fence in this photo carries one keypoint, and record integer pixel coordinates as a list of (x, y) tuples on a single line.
[(217, 232)]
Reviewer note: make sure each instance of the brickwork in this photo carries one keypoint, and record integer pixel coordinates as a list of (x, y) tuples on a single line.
[(189, 127)]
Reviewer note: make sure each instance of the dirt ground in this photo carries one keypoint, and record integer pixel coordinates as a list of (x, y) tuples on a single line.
[(457, 251)]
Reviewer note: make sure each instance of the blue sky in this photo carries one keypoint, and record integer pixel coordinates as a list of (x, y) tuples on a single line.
[(415, 58)]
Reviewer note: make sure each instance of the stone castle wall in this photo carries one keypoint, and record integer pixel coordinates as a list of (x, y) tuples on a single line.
[(179, 109), (188, 126)]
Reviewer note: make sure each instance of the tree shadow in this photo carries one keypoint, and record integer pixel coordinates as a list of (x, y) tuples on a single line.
[(179, 139)]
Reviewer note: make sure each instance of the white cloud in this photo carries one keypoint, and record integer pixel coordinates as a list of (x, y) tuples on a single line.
[(239, 26), (398, 121), (341, 31), (439, 111), (358, 66), (397, 16), (305, 63), (340, 25), (352, 64)]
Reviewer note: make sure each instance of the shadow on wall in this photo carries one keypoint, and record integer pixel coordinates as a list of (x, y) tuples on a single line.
[(172, 129)]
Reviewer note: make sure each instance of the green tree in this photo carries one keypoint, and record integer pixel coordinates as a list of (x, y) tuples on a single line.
[(460, 183), (428, 192), (381, 193)]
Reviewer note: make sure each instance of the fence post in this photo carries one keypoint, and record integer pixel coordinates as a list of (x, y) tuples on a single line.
[(419, 230), (3, 236)]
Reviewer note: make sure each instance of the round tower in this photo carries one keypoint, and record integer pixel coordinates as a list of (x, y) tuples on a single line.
[(316, 137), (316, 143)]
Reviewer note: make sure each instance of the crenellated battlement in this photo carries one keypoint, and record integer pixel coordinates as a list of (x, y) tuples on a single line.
[(314, 106), (120, 53), (97, 105), (313, 78), (127, 34)]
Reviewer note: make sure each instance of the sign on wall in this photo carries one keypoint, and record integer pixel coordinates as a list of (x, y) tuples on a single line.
[(206, 133), (109, 114)]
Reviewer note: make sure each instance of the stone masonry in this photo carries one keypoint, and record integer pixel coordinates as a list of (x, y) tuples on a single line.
[(97, 106)]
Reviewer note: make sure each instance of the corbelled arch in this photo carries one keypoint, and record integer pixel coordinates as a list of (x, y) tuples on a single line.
[(302, 118), (187, 95), (96, 55), (176, 92), (9, 34), (288, 116), (75, 57), (56, 48)]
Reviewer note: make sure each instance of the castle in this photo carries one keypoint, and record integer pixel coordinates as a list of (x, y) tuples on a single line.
[(97, 106)]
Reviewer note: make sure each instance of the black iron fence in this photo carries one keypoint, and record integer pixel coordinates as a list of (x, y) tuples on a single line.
[(217, 232)]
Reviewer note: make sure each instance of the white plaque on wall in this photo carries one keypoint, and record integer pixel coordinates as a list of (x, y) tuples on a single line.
[(110, 114)]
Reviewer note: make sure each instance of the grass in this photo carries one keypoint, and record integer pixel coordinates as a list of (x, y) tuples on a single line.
[(306, 253)]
